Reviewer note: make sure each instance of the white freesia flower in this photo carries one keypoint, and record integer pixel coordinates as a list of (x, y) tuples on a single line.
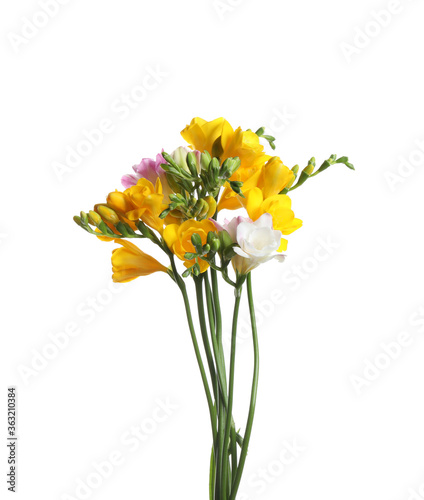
[(257, 241)]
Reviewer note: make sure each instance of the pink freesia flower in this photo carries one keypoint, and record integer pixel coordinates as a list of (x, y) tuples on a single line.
[(257, 241), (149, 169)]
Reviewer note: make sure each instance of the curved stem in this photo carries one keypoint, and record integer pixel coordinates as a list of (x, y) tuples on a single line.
[(243, 454), (225, 471), (181, 285)]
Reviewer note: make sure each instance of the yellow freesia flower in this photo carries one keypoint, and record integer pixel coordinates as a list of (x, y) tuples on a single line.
[(120, 204), (129, 262), (178, 239), (271, 179), (147, 202), (279, 206), (220, 139)]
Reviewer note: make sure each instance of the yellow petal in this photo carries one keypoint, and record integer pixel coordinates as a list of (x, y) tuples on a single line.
[(275, 176), (210, 200), (170, 235), (130, 262), (253, 203), (120, 202)]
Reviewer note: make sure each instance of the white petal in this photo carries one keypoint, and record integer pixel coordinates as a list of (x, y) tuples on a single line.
[(244, 229), (265, 220), (240, 252)]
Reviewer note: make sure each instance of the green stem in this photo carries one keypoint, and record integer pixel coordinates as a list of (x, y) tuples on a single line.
[(204, 330), (218, 317), (214, 312), (225, 472), (243, 454), (181, 285), (233, 451), (217, 349)]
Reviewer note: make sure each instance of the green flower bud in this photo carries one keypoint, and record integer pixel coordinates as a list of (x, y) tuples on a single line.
[(197, 242), (211, 237), (78, 221), (215, 245), (193, 162), (229, 166), (205, 160), (84, 217), (206, 249), (225, 240), (125, 229)]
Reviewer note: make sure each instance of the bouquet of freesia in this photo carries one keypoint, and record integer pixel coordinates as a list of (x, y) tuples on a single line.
[(174, 201)]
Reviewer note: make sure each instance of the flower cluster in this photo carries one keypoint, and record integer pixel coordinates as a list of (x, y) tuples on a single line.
[(174, 200)]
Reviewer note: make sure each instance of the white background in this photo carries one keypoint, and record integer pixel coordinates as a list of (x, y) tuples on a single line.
[(305, 70)]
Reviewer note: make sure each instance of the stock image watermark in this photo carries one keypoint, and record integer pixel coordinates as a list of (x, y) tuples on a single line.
[(390, 351), (224, 7), (31, 25), (120, 109), (281, 119), (130, 441), (407, 166), (416, 493), (379, 20), (85, 313), (259, 481), (293, 278), (12, 439)]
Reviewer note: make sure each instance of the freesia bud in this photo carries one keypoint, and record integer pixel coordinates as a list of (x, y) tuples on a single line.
[(214, 170), (94, 218), (225, 240), (295, 169), (205, 160), (193, 162), (107, 214), (211, 237), (206, 249), (309, 169), (197, 242), (229, 167), (84, 217), (215, 246), (78, 221), (180, 158)]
